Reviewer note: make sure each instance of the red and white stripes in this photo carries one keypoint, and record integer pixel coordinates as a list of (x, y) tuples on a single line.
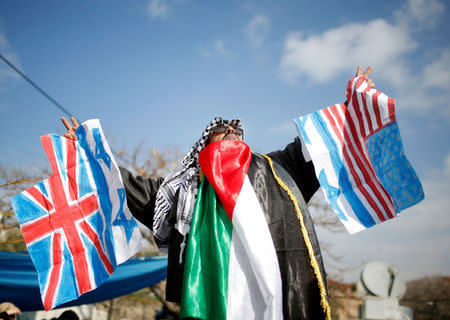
[(337, 147)]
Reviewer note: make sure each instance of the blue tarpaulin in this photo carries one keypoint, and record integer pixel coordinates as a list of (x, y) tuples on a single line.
[(19, 281)]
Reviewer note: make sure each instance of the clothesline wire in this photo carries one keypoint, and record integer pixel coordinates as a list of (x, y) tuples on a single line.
[(58, 105)]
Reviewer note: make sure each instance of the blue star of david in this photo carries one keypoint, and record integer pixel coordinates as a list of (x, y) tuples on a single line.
[(332, 194), (301, 126), (121, 220), (100, 152)]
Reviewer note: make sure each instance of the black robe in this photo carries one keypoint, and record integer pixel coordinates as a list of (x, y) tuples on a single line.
[(283, 182)]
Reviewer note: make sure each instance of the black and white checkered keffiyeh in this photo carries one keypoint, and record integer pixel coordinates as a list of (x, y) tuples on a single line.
[(185, 183)]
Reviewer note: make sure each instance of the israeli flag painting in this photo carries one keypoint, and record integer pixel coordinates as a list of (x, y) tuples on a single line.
[(76, 223), (358, 157)]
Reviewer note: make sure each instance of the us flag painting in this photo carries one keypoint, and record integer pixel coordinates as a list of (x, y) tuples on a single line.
[(358, 157), (76, 223)]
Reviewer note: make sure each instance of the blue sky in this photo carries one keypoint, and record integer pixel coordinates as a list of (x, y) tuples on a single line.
[(158, 71)]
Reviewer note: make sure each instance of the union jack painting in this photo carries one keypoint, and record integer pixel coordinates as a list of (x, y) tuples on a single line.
[(76, 223), (358, 157)]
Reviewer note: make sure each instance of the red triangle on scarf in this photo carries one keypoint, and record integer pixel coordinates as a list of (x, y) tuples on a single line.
[(225, 164)]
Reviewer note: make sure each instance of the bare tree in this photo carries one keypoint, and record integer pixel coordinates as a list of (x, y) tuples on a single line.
[(12, 182), (149, 163), (324, 217), (344, 301), (429, 297)]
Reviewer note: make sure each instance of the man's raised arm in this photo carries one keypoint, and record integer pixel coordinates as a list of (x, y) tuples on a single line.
[(302, 171), (293, 161)]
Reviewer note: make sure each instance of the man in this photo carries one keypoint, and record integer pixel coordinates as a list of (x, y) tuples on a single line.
[(283, 183)]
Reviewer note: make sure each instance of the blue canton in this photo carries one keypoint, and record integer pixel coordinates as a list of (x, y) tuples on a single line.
[(394, 170)]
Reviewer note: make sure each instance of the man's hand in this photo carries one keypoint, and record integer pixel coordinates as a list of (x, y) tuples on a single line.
[(70, 133), (9, 311), (370, 83)]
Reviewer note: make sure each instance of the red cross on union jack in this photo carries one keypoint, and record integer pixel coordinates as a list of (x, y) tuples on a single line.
[(66, 221)]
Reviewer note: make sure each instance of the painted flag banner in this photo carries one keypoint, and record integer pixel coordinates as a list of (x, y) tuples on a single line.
[(76, 223), (358, 157)]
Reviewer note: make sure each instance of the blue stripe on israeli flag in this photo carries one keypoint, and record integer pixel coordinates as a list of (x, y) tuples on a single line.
[(340, 171)]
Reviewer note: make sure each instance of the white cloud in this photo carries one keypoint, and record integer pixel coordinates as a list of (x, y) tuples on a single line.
[(386, 46), (322, 57), (417, 242), (158, 8), (420, 14), (205, 52), (437, 73), (434, 75), (447, 165), (218, 47), (257, 30), (6, 73)]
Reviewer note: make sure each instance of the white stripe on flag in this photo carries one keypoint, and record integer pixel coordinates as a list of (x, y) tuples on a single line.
[(321, 152), (384, 109), (353, 164), (254, 281), (370, 108), (365, 163)]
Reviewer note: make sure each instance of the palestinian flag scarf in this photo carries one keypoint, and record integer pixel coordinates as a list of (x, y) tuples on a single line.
[(233, 265), (232, 270)]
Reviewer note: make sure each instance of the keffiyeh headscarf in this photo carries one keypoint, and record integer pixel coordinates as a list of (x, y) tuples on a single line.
[(185, 184)]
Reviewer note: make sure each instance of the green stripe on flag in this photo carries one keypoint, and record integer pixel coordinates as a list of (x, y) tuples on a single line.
[(205, 283)]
